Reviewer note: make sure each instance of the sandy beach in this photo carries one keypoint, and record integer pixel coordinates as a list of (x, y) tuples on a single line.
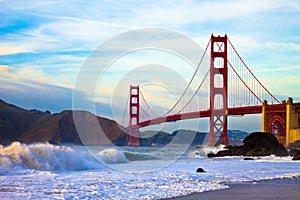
[(272, 189)]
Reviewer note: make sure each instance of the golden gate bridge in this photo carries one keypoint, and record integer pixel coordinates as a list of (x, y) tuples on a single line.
[(233, 90)]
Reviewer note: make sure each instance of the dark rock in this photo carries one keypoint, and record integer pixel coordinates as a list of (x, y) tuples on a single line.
[(259, 151), (248, 159), (256, 144), (294, 145), (260, 139), (280, 150), (230, 147), (200, 170), (293, 152), (225, 153), (297, 156), (211, 155)]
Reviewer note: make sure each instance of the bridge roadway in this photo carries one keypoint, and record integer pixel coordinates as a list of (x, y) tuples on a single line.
[(207, 113)]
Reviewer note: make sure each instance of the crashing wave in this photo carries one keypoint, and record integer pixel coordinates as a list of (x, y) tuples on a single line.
[(45, 156), (111, 156)]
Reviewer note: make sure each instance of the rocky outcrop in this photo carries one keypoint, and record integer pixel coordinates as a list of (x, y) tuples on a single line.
[(294, 145), (297, 156), (256, 144), (280, 150), (294, 150)]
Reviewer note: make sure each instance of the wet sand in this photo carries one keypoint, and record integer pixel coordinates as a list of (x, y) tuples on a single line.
[(271, 190)]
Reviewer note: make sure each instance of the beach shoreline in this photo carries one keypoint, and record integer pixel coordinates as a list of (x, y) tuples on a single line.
[(286, 188)]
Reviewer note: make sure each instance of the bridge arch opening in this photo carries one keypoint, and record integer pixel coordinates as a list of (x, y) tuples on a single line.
[(277, 128)]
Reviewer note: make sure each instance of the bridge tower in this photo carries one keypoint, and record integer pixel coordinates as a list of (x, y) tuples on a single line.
[(282, 120), (218, 90), (134, 116)]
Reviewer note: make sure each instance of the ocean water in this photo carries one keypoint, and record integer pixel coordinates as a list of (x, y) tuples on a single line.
[(75, 172)]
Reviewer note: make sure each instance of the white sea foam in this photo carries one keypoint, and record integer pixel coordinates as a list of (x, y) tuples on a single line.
[(45, 157), (110, 156), (113, 156), (214, 150), (202, 152)]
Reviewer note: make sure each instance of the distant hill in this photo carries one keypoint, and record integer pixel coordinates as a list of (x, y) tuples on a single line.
[(31, 126), (178, 137), (182, 136), (236, 137)]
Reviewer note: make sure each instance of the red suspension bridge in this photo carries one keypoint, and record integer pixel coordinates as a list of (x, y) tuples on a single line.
[(233, 90)]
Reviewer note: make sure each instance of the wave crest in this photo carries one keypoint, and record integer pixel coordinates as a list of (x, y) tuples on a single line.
[(46, 157), (111, 156)]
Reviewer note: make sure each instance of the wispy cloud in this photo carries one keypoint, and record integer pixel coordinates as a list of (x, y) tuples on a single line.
[(285, 45), (197, 12), (278, 69), (22, 75), (7, 49)]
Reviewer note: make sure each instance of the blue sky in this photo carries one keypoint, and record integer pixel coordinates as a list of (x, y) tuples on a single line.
[(43, 44)]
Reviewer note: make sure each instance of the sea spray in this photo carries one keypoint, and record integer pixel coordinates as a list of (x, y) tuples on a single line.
[(44, 156), (214, 150), (202, 152), (110, 156), (113, 156)]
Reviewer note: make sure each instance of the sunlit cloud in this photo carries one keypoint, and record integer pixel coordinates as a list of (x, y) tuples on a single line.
[(6, 49), (22, 74)]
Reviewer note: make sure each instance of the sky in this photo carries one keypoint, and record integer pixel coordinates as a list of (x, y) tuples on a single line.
[(45, 44)]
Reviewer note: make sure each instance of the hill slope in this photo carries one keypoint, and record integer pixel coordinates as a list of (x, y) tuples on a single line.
[(30, 126)]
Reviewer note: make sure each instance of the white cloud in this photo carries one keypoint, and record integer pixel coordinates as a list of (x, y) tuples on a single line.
[(245, 44), (279, 69), (189, 12), (65, 34), (75, 28), (28, 5), (72, 29), (293, 4), (29, 41), (285, 45)]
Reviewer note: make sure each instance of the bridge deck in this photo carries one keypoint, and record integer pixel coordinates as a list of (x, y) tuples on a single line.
[(207, 113)]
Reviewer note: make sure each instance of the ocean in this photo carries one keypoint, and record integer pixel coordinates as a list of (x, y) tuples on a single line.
[(45, 171)]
